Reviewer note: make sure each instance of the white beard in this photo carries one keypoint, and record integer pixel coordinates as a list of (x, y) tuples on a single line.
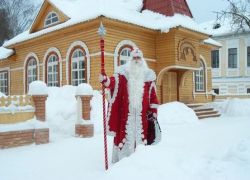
[(136, 76)]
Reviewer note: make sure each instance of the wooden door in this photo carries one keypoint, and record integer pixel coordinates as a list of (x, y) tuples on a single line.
[(169, 87)]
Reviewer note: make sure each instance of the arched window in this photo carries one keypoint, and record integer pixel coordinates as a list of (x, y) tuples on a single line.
[(124, 55), (53, 70), (31, 71), (52, 18), (200, 78), (78, 67)]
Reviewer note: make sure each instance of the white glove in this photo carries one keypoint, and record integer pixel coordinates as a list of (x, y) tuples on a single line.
[(103, 78)]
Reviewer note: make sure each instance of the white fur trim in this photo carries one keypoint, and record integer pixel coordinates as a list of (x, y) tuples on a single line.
[(111, 101), (107, 83)]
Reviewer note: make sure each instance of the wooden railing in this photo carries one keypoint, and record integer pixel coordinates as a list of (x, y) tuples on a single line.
[(22, 100), (14, 109)]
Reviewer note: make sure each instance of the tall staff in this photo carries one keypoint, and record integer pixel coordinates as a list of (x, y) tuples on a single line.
[(102, 33)]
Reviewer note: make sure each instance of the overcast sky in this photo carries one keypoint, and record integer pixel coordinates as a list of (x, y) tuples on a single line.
[(202, 10)]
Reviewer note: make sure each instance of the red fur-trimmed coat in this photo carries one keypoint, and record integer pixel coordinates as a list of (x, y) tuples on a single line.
[(130, 126)]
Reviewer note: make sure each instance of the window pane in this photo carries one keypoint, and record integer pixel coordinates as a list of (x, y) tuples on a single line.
[(51, 18), (81, 74), (215, 59), (124, 56), (75, 75), (74, 65), (4, 82), (232, 58), (248, 56), (81, 65), (200, 78)]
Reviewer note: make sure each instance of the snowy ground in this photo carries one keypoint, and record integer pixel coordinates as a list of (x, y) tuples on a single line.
[(211, 149)]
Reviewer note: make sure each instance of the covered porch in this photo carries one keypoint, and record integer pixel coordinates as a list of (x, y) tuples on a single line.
[(176, 83)]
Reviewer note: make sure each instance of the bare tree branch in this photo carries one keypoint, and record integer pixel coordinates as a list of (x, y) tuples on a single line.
[(238, 12)]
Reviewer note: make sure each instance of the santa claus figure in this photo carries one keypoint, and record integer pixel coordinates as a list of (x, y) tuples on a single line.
[(132, 109)]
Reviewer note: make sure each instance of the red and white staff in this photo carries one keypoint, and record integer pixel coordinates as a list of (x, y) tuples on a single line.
[(102, 33)]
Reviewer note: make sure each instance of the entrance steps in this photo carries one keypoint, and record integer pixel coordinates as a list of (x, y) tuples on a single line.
[(203, 112)]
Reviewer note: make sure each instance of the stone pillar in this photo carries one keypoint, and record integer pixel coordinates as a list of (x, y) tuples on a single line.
[(86, 106), (40, 106)]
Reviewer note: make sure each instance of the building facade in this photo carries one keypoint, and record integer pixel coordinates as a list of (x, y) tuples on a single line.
[(231, 62), (62, 49)]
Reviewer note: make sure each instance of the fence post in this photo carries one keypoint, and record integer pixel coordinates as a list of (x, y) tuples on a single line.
[(39, 92), (84, 126)]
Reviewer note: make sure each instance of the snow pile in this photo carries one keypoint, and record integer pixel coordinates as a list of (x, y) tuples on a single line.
[(5, 53), (38, 88), (84, 89), (30, 124), (176, 113), (216, 149), (61, 109), (232, 107), (240, 151)]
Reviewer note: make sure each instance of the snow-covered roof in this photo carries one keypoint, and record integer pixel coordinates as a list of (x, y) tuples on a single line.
[(219, 28), (123, 10), (212, 42), (5, 53)]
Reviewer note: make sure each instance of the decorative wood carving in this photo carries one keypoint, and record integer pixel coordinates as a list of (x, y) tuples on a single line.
[(186, 51)]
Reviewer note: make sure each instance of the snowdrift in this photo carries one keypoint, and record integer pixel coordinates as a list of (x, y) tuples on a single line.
[(176, 113), (232, 107)]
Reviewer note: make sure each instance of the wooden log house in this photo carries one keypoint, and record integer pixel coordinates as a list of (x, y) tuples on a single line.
[(62, 48)]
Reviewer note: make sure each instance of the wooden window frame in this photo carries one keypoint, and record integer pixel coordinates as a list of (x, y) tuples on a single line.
[(47, 18), (7, 72), (58, 67), (70, 63), (26, 72), (204, 78), (119, 53)]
